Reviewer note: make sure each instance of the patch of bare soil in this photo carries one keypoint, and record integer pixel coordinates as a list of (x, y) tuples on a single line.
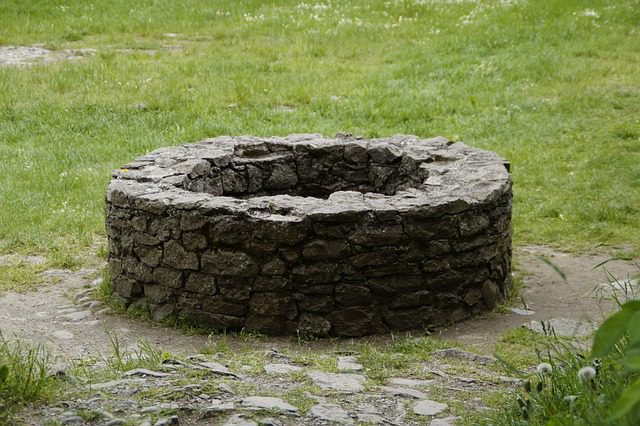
[(574, 304), (21, 56), (64, 318)]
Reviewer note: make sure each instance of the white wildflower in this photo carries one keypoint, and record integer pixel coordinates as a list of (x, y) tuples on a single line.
[(590, 13), (544, 368), (586, 374)]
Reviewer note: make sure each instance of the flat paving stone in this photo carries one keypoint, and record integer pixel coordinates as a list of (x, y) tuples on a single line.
[(77, 316), (447, 421), (370, 418), (269, 421), (73, 420), (143, 372), (404, 392), (524, 312), (225, 388), (412, 383), (426, 407), (563, 327), (168, 421), (268, 403), (281, 369), (349, 363), (217, 368), (341, 382), (216, 409), (331, 413), (63, 335), (239, 420)]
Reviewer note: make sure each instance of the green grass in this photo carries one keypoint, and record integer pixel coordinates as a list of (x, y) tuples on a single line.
[(563, 393), (20, 276), (24, 377), (561, 397), (552, 86)]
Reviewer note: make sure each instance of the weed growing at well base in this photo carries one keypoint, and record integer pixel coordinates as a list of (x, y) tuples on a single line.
[(24, 376), (574, 386)]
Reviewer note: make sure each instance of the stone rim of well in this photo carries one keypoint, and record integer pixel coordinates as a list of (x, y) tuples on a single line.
[(456, 177)]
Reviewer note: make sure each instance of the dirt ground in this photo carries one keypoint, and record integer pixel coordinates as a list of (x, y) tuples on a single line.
[(582, 296), (54, 314)]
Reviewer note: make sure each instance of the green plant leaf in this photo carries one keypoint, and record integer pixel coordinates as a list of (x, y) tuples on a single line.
[(613, 329), (634, 330), (627, 400), (4, 372), (631, 359), (555, 268)]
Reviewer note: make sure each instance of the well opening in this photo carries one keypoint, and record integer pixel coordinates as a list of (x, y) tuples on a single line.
[(312, 235), (313, 172)]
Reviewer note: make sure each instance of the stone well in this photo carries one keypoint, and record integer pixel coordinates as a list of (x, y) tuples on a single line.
[(340, 236)]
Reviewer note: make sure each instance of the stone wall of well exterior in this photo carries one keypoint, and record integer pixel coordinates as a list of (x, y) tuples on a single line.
[(305, 234)]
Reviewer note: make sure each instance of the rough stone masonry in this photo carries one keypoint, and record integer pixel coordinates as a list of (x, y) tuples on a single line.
[(306, 234)]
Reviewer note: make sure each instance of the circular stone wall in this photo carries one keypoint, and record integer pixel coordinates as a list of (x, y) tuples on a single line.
[(305, 234)]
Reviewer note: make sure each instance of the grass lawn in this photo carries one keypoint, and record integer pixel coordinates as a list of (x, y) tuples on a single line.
[(553, 86)]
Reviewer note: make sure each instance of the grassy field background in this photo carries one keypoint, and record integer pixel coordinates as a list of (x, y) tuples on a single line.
[(553, 86)]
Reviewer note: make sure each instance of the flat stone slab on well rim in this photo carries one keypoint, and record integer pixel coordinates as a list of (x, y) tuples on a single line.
[(479, 175)]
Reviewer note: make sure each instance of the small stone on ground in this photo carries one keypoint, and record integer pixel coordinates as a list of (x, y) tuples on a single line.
[(218, 408), (63, 334), (144, 372), (404, 392), (349, 363), (281, 369), (427, 407), (240, 420), (77, 316), (168, 421), (524, 312), (217, 368), (370, 418), (447, 421), (331, 413), (268, 403), (414, 383), (343, 382)]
